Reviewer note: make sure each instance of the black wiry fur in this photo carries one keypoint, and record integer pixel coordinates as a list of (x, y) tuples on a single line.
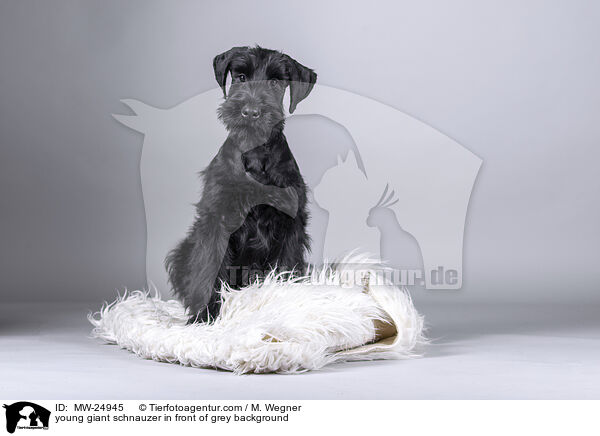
[(252, 215)]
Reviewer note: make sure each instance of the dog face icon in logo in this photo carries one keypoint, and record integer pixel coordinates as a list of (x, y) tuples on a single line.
[(26, 415)]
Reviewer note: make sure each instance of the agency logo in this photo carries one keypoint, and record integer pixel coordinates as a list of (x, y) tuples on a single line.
[(26, 415)]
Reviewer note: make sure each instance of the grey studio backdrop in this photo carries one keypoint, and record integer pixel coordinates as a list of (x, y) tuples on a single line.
[(516, 83), (513, 82)]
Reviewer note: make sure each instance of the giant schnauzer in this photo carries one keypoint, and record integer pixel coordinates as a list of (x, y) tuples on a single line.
[(252, 215)]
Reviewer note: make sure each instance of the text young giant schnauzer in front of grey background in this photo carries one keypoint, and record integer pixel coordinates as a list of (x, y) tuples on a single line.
[(252, 215)]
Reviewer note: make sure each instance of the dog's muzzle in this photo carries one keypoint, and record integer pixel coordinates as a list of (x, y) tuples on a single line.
[(251, 112), (252, 107)]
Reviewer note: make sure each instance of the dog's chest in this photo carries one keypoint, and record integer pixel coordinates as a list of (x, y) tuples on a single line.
[(262, 236), (266, 228), (263, 166), (269, 167)]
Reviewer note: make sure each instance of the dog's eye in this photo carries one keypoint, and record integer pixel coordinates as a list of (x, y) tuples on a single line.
[(273, 82), (242, 77)]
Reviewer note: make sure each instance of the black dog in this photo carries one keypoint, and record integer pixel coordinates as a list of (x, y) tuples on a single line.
[(252, 215)]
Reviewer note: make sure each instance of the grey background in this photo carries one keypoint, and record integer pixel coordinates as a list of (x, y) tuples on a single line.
[(515, 82)]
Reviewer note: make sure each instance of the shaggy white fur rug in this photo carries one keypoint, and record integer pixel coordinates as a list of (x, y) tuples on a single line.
[(345, 311)]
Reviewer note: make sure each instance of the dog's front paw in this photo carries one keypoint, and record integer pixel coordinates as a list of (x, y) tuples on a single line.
[(286, 200), (208, 313), (198, 318), (292, 201)]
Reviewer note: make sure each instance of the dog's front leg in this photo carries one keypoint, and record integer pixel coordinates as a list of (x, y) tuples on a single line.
[(209, 238), (284, 199)]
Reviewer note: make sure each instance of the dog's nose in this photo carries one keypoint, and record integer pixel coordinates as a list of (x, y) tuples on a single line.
[(250, 112)]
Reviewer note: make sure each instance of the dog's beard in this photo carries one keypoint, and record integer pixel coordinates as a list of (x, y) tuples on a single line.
[(260, 130)]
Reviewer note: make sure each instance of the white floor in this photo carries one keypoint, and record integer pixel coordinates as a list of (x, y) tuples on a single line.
[(493, 352)]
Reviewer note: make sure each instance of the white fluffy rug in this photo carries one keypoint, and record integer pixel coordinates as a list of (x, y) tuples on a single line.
[(345, 311)]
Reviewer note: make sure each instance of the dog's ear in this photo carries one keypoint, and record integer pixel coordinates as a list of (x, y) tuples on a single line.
[(221, 65), (302, 80)]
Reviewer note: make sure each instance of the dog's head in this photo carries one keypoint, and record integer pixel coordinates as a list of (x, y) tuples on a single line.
[(259, 78)]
